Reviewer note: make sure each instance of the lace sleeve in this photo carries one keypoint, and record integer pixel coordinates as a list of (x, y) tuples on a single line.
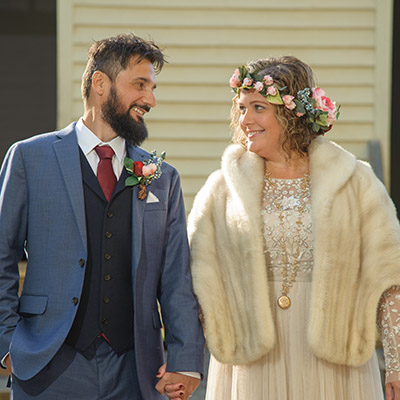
[(389, 330)]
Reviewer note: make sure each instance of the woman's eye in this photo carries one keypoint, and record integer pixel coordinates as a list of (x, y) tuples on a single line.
[(258, 107), (242, 109)]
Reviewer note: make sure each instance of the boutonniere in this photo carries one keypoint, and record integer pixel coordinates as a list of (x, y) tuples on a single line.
[(143, 173)]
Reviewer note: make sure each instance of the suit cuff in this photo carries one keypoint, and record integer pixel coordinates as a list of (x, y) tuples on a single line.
[(191, 374), (2, 362)]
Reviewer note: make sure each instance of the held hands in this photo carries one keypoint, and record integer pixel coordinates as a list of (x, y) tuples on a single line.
[(176, 386), (393, 390)]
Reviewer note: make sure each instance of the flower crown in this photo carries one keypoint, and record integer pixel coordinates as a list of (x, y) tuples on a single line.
[(312, 103)]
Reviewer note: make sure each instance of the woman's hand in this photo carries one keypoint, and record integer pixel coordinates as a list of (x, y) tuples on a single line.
[(393, 390), (7, 362), (176, 386)]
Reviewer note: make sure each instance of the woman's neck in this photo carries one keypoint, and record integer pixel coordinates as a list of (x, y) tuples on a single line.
[(295, 167)]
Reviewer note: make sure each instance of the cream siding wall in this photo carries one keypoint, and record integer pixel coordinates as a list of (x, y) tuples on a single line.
[(347, 42)]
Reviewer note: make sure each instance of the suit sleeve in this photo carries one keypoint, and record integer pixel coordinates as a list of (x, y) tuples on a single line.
[(183, 333), (13, 228)]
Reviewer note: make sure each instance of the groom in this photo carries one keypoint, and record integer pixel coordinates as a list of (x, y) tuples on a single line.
[(100, 258)]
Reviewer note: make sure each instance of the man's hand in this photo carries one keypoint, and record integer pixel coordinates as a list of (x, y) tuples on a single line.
[(7, 362), (393, 390), (176, 386)]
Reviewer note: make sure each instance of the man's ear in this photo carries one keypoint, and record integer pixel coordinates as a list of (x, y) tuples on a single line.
[(100, 83)]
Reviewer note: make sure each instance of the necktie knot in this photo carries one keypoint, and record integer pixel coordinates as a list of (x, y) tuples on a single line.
[(104, 152)]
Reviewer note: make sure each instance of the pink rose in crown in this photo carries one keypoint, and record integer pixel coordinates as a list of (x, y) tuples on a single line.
[(247, 82), (331, 108), (271, 91), (288, 101), (235, 82), (325, 104), (299, 114), (149, 169), (268, 81), (317, 93), (258, 86)]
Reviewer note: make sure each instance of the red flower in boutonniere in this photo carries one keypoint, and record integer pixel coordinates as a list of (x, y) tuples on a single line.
[(142, 174), (137, 168)]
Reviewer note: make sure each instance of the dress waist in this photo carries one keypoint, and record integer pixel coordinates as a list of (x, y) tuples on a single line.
[(275, 276)]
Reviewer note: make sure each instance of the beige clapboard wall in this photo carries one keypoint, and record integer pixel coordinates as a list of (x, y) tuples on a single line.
[(347, 42)]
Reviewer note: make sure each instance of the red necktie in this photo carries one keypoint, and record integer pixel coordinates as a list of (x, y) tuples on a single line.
[(105, 173)]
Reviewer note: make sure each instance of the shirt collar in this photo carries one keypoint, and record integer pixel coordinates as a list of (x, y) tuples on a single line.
[(87, 141)]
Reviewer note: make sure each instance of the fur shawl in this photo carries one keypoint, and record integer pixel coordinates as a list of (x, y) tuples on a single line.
[(356, 239)]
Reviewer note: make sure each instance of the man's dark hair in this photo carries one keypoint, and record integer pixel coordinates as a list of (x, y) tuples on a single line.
[(112, 55)]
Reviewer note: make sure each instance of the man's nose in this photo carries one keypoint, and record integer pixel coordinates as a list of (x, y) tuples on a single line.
[(150, 99)]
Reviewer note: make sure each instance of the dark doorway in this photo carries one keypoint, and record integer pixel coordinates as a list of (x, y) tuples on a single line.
[(395, 125), (28, 97)]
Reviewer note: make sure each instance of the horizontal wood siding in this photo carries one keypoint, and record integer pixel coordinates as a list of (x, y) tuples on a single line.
[(206, 40)]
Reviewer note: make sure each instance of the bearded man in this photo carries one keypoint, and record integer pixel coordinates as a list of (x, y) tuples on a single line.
[(106, 244)]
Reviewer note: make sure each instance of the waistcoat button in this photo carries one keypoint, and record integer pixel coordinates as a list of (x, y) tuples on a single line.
[(108, 235), (107, 256), (106, 300), (110, 214), (82, 262), (107, 277), (74, 301)]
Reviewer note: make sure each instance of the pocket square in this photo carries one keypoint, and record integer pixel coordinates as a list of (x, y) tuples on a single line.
[(152, 198)]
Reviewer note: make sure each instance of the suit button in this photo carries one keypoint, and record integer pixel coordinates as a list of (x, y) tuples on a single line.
[(110, 214), (107, 277), (74, 301), (106, 300), (108, 235), (107, 256), (82, 262), (104, 321)]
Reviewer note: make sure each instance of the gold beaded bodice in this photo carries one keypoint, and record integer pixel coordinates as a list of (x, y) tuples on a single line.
[(286, 212)]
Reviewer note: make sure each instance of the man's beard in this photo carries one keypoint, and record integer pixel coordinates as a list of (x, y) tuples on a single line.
[(122, 123)]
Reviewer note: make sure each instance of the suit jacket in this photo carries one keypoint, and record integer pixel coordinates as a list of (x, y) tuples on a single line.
[(42, 211)]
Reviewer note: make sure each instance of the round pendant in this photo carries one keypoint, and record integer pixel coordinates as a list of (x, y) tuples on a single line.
[(283, 302)]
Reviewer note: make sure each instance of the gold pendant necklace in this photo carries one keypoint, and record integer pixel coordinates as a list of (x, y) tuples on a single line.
[(284, 301)]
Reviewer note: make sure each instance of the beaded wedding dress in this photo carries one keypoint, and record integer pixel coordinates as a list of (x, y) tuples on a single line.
[(290, 371)]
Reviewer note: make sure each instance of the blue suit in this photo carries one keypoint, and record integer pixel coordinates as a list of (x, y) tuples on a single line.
[(42, 211)]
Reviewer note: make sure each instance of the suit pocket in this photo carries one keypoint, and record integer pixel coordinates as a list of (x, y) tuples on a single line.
[(156, 319), (154, 205), (30, 304)]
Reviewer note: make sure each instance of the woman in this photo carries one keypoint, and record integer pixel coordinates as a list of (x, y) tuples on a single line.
[(295, 248)]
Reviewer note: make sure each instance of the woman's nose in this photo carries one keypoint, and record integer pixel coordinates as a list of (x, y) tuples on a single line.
[(246, 118)]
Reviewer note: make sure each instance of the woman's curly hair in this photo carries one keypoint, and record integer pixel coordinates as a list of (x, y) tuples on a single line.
[(295, 75)]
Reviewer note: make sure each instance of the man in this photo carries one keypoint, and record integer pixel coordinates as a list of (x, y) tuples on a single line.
[(100, 258)]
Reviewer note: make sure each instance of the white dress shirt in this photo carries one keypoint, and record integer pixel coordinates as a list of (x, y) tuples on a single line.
[(87, 141)]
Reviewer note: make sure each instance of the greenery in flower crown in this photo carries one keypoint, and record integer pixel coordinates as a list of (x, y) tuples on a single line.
[(311, 104)]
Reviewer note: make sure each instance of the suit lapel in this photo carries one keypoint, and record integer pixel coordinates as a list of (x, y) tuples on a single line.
[(137, 212), (89, 178), (67, 153)]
